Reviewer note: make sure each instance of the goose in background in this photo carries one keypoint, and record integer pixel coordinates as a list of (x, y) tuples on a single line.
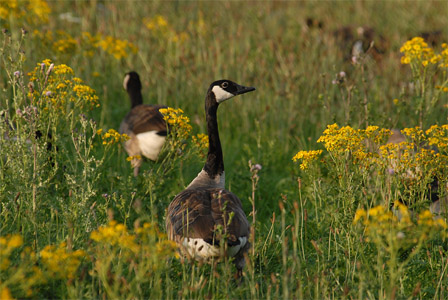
[(362, 40), (205, 213), (144, 124)]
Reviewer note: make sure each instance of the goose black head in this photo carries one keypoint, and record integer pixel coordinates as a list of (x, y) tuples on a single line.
[(226, 89), (132, 81)]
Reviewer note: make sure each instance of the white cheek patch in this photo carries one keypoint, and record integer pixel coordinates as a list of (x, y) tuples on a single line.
[(221, 94), (126, 80), (150, 144), (201, 250)]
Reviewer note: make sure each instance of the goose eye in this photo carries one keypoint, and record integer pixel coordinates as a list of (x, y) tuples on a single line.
[(225, 84)]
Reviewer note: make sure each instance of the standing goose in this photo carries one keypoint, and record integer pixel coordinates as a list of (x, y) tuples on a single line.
[(195, 214), (144, 124)]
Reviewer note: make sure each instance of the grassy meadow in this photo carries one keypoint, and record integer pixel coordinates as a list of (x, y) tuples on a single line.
[(75, 223)]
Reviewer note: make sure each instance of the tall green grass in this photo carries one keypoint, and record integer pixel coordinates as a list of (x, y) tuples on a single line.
[(306, 245)]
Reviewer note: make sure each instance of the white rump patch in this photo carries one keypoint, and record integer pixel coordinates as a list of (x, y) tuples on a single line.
[(201, 250), (221, 94), (125, 81), (150, 143)]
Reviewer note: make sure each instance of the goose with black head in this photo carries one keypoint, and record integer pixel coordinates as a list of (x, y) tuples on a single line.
[(144, 124), (200, 216)]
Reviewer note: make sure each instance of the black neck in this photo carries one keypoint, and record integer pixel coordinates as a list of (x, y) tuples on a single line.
[(136, 97), (215, 164)]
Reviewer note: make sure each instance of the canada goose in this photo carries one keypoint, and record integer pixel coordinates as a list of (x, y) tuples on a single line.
[(196, 214), (360, 41), (144, 124)]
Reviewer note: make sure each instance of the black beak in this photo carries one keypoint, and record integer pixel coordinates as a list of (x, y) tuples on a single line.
[(244, 89)]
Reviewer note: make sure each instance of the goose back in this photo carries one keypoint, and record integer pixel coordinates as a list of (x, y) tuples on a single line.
[(144, 118), (202, 215)]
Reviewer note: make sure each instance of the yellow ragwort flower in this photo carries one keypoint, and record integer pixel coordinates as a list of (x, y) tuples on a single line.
[(306, 157)]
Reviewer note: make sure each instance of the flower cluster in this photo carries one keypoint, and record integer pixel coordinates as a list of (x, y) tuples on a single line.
[(438, 136), (5, 293), (86, 44), (7, 245), (444, 56), (346, 140), (179, 123), (116, 47), (59, 89), (415, 160), (125, 258), (60, 263), (380, 223), (115, 234), (412, 152), (31, 12), (65, 43), (18, 276), (416, 50), (157, 22), (381, 218), (112, 136), (146, 239), (160, 27), (306, 157), (201, 142), (130, 158)]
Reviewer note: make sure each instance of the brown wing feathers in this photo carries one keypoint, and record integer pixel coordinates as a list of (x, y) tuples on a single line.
[(197, 214), (143, 118)]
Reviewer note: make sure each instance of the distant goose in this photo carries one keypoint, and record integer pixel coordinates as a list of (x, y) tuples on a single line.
[(195, 214), (144, 124)]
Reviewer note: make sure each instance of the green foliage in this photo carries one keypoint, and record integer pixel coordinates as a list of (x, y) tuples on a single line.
[(75, 223)]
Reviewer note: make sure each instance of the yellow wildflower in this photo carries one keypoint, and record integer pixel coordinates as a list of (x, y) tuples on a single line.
[(360, 214), (116, 47), (179, 123), (5, 294), (61, 263), (63, 69), (8, 243), (306, 157), (40, 9), (15, 241), (438, 136), (130, 158), (156, 23), (112, 137), (200, 141), (416, 51), (65, 44)]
